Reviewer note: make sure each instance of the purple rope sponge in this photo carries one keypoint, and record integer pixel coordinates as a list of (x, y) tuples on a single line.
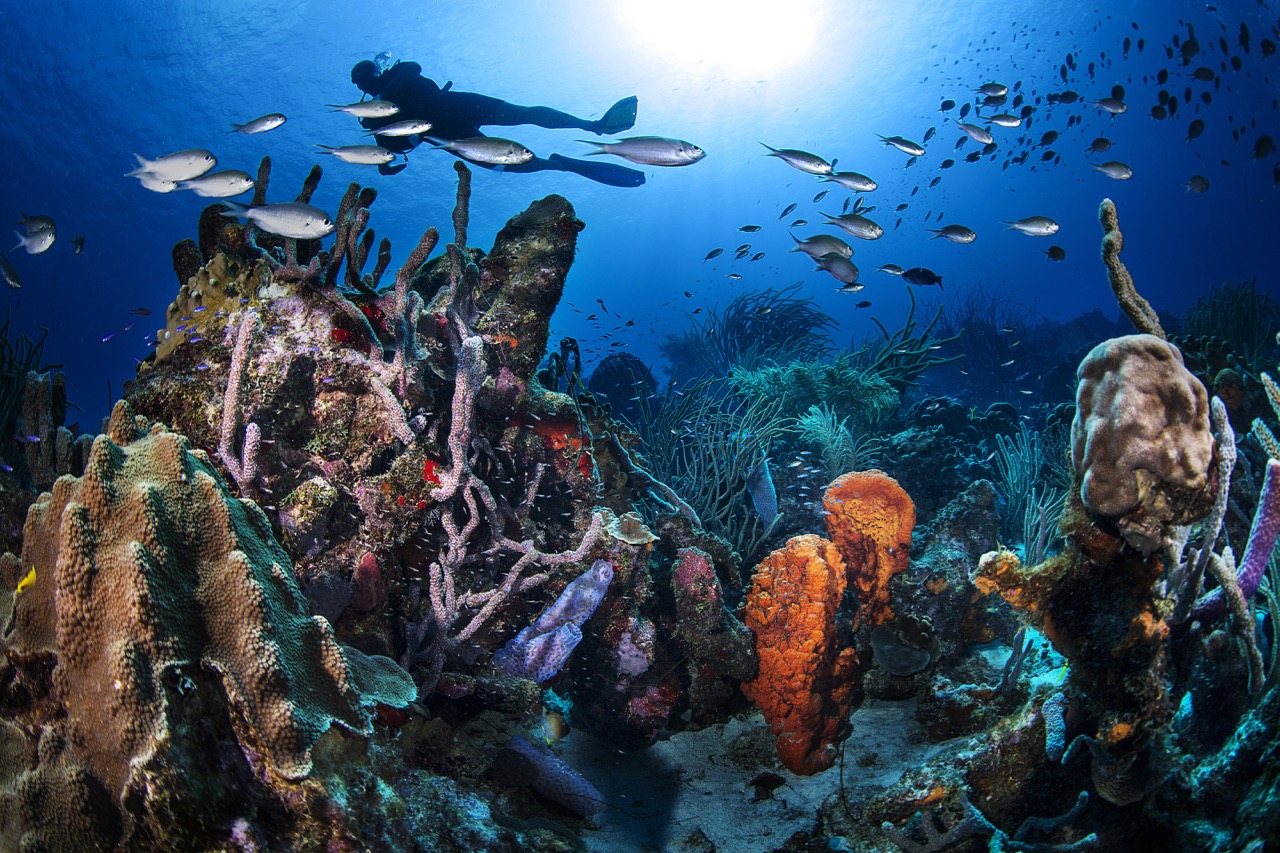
[(557, 781), (539, 651), (1262, 539)]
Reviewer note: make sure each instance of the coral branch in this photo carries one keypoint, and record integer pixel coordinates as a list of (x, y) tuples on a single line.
[(244, 468)]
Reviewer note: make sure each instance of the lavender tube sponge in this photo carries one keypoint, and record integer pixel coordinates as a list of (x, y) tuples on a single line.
[(557, 781), (540, 651), (1262, 540)]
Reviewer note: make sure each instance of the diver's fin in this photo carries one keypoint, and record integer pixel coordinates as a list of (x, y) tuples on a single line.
[(619, 117), (602, 173)]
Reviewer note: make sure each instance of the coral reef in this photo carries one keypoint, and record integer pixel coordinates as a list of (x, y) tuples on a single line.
[(148, 571)]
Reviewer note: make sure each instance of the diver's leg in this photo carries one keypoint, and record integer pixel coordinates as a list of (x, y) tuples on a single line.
[(492, 111), (602, 173)]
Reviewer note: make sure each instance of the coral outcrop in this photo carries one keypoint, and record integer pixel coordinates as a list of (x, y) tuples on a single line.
[(148, 573), (810, 668), (1141, 438)]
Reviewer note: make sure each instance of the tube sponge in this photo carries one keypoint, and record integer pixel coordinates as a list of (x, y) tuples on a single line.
[(1141, 429)]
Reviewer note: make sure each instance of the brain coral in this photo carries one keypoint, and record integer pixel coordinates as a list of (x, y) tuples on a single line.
[(1141, 427), (147, 564)]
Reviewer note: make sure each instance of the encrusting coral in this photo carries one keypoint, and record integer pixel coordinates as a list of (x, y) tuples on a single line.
[(810, 669)]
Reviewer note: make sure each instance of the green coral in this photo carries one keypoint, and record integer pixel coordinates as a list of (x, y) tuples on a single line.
[(853, 394)]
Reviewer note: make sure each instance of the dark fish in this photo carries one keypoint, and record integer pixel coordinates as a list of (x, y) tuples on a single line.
[(757, 256), (964, 110), (1068, 97), (928, 134), (922, 276), (947, 164), (863, 304), (1055, 253), (750, 229), (1099, 145), (141, 312), (948, 104), (786, 210), (798, 223), (77, 243), (820, 196), (1162, 77), (1204, 74), (1264, 147), (1244, 37), (1195, 129), (1158, 112), (714, 253), (1117, 92), (1268, 48)]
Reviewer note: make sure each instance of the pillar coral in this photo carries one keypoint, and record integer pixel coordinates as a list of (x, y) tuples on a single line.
[(810, 671)]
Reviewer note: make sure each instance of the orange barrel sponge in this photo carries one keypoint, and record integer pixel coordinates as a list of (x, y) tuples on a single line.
[(809, 670), (805, 682), (870, 518)]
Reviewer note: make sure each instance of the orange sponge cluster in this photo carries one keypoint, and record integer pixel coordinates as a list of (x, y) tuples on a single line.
[(810, 670)]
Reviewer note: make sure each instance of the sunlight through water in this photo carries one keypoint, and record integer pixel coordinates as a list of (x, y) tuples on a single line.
[(742, 39)]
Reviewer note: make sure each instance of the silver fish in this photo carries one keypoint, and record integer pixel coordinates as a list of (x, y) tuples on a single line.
[(906, 146), (361, 155), (852, 181), (802, 160), (840, 267), (366, 109), (41, 232), (975, 133), (178, 166), (1034, 226), (219, 184), (651, 150), (1115, 106), (261, 124), (157, 185), (1114, 169), (288, 219), (1005, 120), (491, 150), (891, 269), (36, 223), (858, 226), (10, 274), (408, 127), (992, 90), (954, 233), (822, 244)]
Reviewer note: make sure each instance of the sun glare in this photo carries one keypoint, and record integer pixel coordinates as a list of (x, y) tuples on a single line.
[(745, 39)]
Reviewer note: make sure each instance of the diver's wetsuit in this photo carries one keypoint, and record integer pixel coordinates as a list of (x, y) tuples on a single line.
[(460, 115)]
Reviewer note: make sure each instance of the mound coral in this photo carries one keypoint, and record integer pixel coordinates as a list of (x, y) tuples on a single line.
[(147, 567), (810, 670)]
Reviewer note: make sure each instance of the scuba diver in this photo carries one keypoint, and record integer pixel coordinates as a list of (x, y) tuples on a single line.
[(460, 115)]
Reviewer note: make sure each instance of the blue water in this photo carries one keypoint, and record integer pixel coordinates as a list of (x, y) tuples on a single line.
[(87, 85)]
